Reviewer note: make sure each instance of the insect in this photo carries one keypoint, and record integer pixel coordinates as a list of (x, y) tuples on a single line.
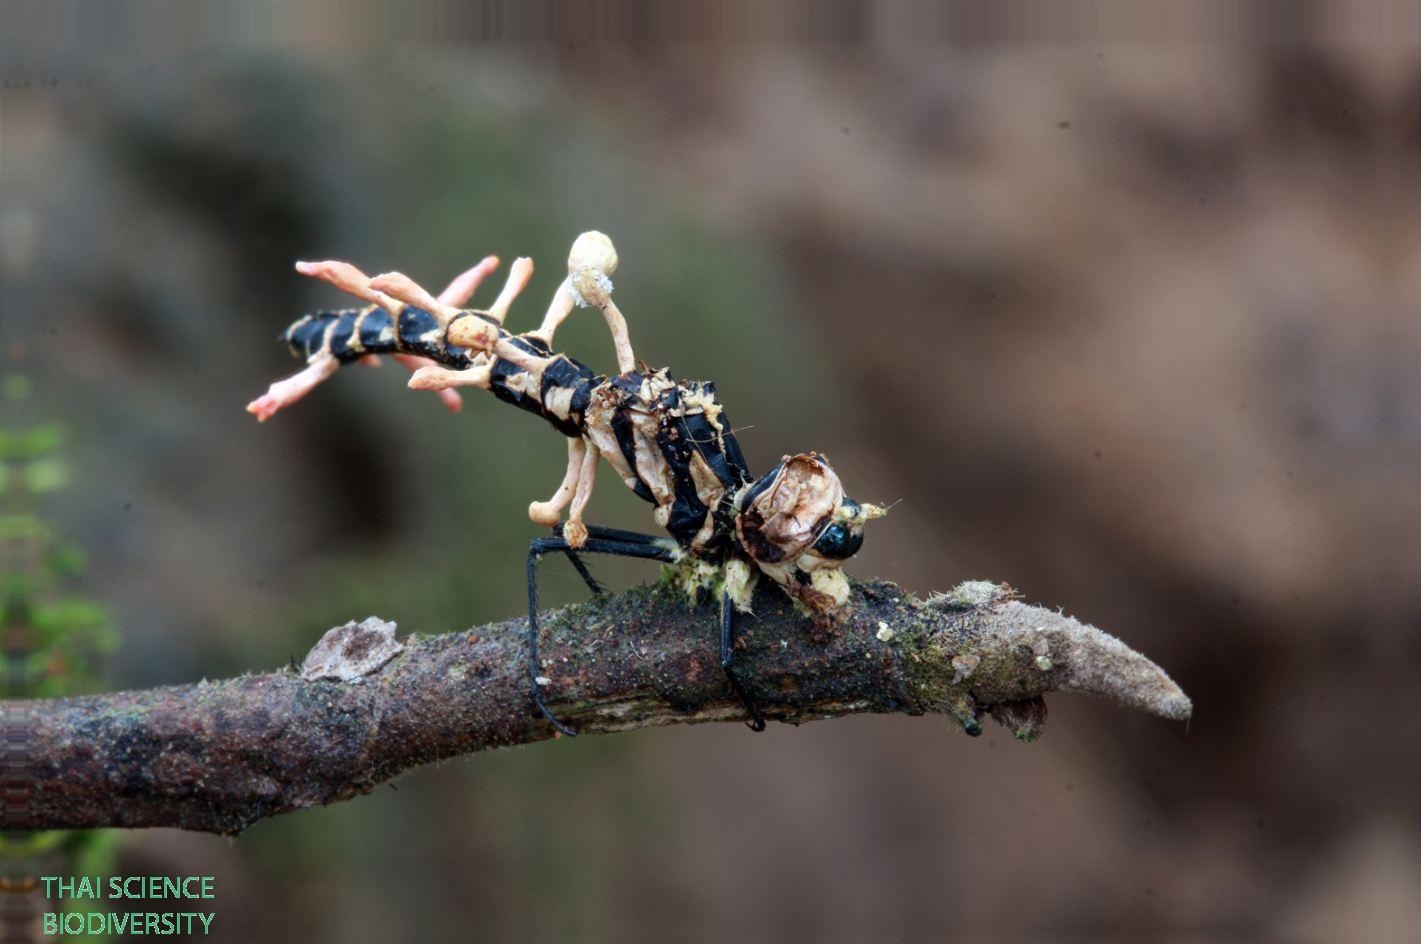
[(669, 440)]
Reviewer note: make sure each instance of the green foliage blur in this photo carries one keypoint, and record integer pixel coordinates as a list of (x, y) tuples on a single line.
[(52, 643)]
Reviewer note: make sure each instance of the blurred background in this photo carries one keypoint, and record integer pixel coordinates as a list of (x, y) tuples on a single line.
[(1127, 322)]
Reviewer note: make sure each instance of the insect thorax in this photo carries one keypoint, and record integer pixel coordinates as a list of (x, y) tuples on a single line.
[(671, 443)]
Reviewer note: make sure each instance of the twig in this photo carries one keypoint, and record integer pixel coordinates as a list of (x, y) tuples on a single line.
[(218, 756)]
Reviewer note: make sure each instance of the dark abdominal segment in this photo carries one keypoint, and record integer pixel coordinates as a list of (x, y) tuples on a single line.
[(421, 333), (560, 397), (512, 384), (565, 393), (307, 337)]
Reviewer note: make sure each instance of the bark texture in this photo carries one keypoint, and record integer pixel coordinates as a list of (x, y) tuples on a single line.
[(218, 756)]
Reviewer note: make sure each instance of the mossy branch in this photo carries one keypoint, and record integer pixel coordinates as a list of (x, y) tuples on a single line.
[(218, 756)]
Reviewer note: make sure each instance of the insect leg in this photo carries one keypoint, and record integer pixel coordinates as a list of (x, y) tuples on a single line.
[(578, 564), (727, 658), (614, 534), (627, 537), (536, 550)]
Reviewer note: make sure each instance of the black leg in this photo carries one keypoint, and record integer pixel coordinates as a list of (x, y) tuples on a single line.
[(536, 550), (583, 572), (614, 534), (727, 657)]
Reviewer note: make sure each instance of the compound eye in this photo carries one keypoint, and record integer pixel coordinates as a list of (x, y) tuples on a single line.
[(838, 542)]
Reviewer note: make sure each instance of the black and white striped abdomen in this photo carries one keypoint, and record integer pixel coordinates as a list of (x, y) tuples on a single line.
[(559, 393), (352, 333)]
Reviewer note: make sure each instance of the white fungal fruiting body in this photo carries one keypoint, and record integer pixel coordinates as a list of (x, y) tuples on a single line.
[(592, 250)]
